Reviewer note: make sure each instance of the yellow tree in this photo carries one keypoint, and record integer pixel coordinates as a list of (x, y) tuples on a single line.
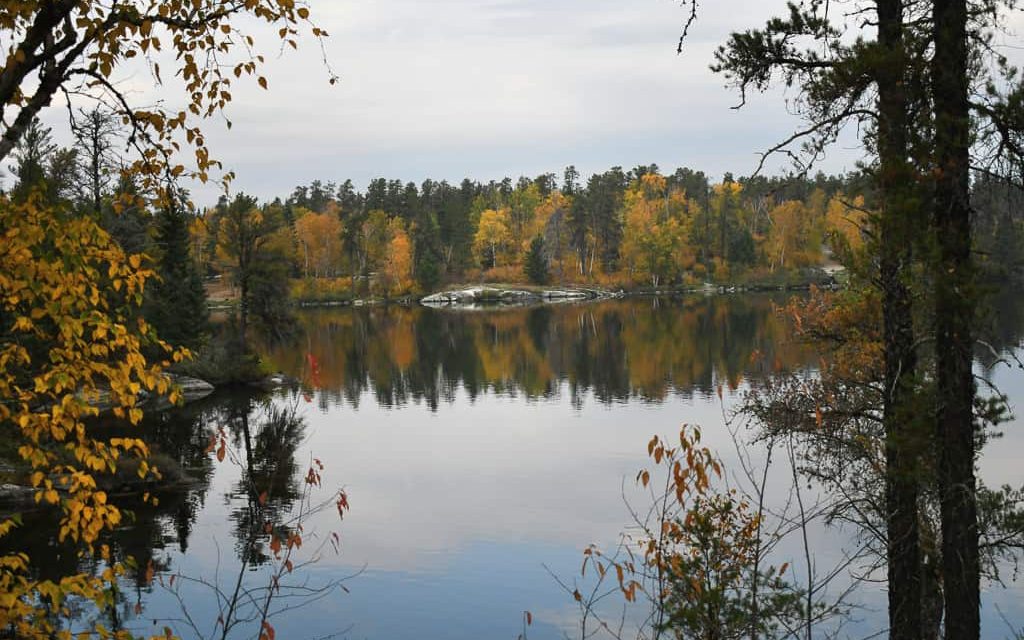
[(654, 242), (397, 276), (727, 214), (522, 207), (68, 330), (68, 336), (374, 237), (846, 222), (200, 242), (79, 45), (782, 236), (794, 239), (492, 236), (319, 239)]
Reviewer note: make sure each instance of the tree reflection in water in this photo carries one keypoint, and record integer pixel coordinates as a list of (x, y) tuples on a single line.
[(270, 501), (615, 351), (631, 350)]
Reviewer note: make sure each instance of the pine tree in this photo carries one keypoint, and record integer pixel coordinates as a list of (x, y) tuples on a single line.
[(537, 262), (426, 238), (177, 302), (31, 155)]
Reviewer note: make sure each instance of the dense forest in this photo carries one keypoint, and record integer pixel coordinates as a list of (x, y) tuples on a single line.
[(624, 229), (620, 228)]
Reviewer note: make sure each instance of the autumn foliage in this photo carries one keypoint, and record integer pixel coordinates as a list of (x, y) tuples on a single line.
[(70, 341), (695, 556)]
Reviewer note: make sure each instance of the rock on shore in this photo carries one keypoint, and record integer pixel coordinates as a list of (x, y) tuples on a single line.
[(511, 295)]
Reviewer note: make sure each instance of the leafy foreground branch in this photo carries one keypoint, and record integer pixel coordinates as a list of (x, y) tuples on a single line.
[(696, 563), (71, 331), (68, 335)]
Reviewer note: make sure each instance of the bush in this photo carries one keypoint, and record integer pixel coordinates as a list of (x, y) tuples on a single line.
[(509, 274), (321, 290), (221, 361)]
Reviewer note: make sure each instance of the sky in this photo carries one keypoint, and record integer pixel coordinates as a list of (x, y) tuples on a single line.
[(448, 89)]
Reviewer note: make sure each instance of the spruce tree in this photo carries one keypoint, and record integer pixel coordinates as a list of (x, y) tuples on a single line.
[(426, 237), (177, 301), (537, 262)]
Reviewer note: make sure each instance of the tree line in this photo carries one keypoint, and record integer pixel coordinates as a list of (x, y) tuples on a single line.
[(618, 228)]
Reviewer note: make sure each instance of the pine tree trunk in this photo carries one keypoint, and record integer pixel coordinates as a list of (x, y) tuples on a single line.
[(901, 441), (953, 319)]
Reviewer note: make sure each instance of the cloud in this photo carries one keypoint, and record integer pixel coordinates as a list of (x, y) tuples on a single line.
[(451, 89)]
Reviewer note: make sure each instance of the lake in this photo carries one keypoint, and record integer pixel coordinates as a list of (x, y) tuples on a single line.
[(481, 450)]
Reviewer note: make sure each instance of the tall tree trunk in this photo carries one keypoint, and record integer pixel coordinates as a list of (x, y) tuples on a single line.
[(901, 440), (953, 319)]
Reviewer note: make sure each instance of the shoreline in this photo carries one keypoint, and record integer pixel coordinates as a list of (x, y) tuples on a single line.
[(499, 294)]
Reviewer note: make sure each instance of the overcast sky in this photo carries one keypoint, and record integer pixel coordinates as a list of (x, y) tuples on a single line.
[(453, 88)]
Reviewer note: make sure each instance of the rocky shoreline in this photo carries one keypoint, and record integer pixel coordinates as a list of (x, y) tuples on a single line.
[(513, 295), (478, 296)]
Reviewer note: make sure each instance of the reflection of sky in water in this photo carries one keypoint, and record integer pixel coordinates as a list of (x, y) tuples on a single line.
[(457, 508), (454, 513)]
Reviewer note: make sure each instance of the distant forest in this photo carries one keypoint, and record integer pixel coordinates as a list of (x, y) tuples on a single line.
[(620, 228), (639, 227)]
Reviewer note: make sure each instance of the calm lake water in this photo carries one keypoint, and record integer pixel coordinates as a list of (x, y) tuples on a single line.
[(479, 449)]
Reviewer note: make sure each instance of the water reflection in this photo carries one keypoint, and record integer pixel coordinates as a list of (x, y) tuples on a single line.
[(267, 438), (614, 351), (514, 430)]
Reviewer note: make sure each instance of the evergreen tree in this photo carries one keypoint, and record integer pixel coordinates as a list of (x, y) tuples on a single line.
[(176, 304), (570, 180), (426, 237), (537, 262), (348, 198), (250, 245), (31, 155)]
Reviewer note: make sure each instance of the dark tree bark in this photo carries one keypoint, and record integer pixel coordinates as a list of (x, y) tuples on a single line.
[(94, 134), (953, 320), (896, 184)]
